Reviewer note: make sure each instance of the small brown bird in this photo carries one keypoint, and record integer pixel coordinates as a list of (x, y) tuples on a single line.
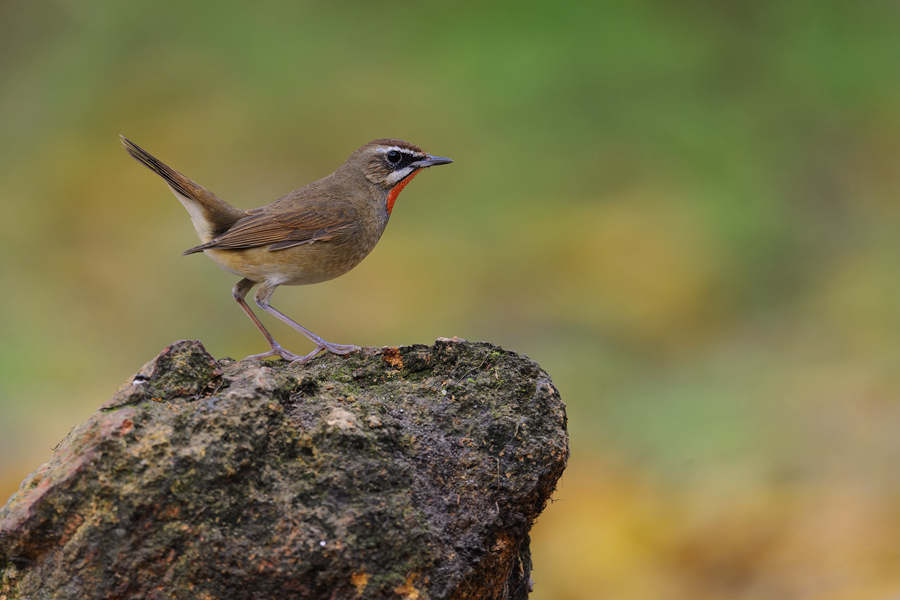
[(312, 234)]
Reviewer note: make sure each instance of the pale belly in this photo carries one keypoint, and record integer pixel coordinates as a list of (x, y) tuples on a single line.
[(300, 265)]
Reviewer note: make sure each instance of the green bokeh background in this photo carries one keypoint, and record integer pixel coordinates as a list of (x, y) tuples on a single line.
[(686, 212)]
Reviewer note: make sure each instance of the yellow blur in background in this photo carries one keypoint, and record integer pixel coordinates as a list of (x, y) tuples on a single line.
[(686, 212)]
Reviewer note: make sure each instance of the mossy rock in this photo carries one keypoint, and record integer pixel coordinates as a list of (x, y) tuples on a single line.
[(411, 472)]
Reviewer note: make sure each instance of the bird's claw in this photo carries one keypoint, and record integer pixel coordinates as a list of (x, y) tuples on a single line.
[(340, 349), (276, 351)]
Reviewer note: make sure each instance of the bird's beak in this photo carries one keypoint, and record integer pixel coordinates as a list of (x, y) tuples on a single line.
[(431, 161)]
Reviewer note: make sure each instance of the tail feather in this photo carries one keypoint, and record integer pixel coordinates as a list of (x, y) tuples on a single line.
[(210, 215), (178, 182)]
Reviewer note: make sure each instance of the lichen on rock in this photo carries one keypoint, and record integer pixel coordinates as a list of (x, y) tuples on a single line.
[(412, 472)]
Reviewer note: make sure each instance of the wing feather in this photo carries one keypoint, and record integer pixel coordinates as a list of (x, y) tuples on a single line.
[(285, 229)]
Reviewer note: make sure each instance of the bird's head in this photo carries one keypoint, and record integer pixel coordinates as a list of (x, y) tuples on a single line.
[(390, 164)]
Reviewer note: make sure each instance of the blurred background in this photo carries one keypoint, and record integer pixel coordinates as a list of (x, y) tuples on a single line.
[(686, 212)]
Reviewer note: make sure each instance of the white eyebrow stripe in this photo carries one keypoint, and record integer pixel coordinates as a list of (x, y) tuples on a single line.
[(399, 149)]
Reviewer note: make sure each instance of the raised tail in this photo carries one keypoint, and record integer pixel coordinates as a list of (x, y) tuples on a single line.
[(210, 215)]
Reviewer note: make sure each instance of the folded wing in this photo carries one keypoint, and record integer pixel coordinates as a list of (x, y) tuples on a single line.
[(282, 230)]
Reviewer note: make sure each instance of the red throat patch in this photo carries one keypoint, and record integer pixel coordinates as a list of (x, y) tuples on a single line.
[(395, 191)]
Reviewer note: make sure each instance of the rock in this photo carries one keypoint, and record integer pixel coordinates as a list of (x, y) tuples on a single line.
[(404, 473)]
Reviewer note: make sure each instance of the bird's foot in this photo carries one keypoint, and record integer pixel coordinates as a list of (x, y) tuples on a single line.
[(341, 349), (277, 350), (281, 353), (299, 360)]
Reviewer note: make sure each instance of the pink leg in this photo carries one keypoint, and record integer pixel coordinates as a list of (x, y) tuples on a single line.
[(264, 293), (239, 292)]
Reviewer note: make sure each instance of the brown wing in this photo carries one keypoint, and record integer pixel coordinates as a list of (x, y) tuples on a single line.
[(281, 229)]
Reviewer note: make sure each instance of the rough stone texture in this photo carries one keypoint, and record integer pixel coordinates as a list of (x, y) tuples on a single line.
[(395, 473)]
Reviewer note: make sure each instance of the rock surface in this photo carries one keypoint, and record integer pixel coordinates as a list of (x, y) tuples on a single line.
[(411, 472)]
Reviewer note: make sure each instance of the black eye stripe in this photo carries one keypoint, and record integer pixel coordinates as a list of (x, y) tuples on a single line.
[(400, 159)]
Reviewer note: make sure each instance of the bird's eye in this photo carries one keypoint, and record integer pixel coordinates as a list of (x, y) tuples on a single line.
[(393, 157)]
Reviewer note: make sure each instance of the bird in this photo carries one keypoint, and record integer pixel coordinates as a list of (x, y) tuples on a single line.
[(310, 235)]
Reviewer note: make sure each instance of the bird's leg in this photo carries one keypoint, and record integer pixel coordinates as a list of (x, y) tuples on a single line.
[(264, 293), (239, 291)]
